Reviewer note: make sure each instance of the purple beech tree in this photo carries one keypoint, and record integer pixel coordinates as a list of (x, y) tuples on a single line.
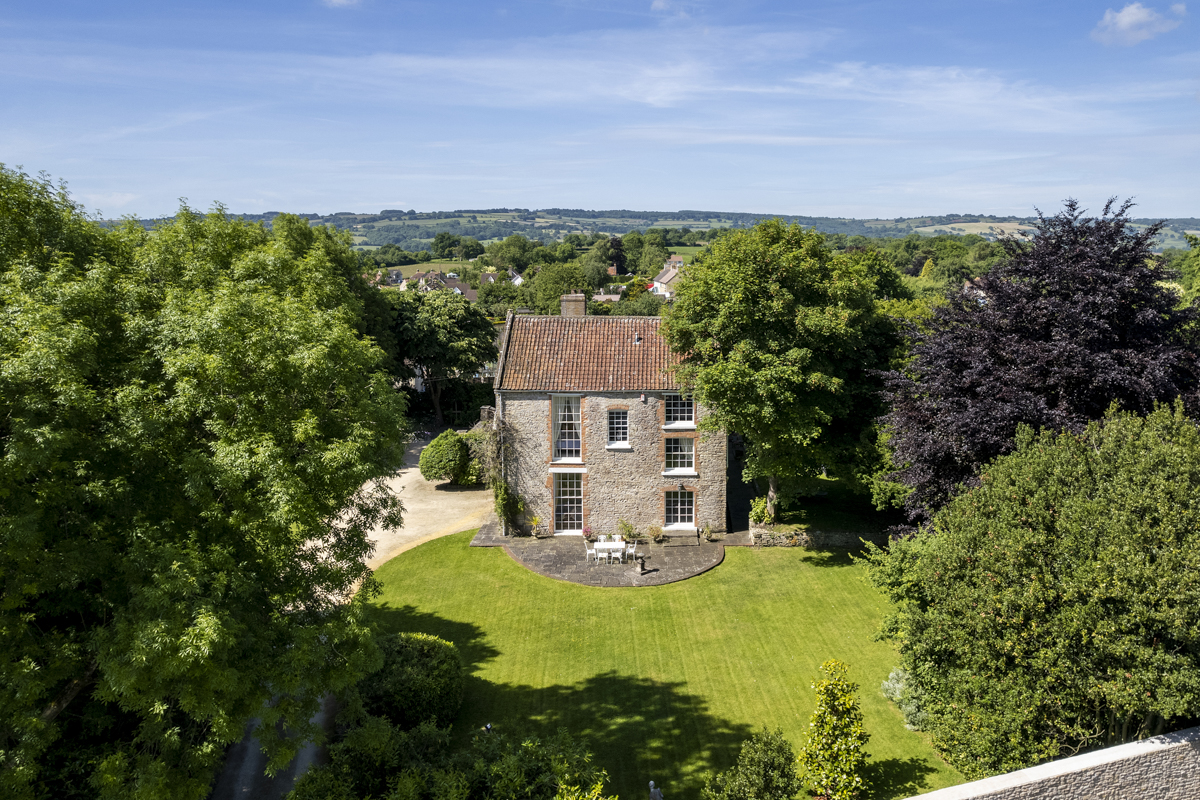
[(1072, 321)]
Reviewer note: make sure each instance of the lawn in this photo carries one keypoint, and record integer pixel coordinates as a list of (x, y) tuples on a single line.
[(666, 682)]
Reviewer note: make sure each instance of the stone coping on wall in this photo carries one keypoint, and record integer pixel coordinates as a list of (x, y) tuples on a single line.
[(1164, 768)]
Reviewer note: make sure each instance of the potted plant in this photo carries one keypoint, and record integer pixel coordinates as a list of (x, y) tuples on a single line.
[(656, 534), (626, 531), (588, 535)]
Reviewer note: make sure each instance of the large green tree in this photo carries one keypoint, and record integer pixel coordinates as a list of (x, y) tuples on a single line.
[(1052, 608), (190, 416), (441, 335), (555, 280), (780, 339)]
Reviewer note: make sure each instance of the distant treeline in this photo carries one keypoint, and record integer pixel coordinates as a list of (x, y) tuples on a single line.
[(411, 230)]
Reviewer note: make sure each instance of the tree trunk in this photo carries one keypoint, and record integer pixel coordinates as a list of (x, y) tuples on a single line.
[(68, 694), (435, 394), (772, 491)]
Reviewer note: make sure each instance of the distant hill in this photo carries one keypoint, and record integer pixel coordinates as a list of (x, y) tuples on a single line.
[(414, 230)]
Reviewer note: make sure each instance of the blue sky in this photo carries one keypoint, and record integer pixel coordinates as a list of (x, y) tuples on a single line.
[(824, 108)]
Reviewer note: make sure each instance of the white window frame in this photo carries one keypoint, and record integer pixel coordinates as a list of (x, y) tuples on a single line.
[(623, 442), (680, 455), (568, 508), (686, 496), (558, 404), (674, 402)]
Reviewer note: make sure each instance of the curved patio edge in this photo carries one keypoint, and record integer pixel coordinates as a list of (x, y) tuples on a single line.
[(563, 558)]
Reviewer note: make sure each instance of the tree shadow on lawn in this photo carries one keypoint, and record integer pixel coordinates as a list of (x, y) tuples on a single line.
[(637, 729), (467, 636), (830, 557), (893, 778)]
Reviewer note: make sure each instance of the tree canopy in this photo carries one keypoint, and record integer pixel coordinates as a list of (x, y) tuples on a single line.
[(190, 417), (1053, 608), (441, 335), (781, 341), (555, 280), (1070, 322)]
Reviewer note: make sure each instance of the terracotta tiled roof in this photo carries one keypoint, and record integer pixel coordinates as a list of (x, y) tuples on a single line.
[(585, 354)]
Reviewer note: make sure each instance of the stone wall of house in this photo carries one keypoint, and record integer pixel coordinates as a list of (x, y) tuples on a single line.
[(620, 483), (1165, 768)]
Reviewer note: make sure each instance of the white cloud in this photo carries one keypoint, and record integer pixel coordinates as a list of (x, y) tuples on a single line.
[(1135, 23), (340, 3), (118, 200)]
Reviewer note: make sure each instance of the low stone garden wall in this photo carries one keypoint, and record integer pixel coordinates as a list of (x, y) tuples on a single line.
[(769, 536)]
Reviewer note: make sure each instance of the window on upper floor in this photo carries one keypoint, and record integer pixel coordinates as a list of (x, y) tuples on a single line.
[(679, 410), (567, 428), (618, 427), (681, 454)]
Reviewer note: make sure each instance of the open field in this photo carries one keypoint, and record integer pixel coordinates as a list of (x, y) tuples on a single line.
[(664, 683), (979, 228), (688, 253)]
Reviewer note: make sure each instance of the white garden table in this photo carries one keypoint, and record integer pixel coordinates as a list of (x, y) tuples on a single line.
[(609, 547)]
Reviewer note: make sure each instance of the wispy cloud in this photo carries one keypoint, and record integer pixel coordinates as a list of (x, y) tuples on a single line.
[(1135, 23), (109, 201), (340, 3)]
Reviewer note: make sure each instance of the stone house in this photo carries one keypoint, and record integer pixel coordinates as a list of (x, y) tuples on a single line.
[(595, 429)]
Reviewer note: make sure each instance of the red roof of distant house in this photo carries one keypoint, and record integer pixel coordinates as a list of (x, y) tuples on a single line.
[(585, 354)]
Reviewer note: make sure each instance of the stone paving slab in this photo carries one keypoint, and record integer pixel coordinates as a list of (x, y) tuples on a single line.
[(563, 558)]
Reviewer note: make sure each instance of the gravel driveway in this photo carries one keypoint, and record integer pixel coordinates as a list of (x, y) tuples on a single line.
[(430, 510)]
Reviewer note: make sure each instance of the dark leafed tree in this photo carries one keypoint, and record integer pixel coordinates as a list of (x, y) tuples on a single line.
[(1070, 322), (617, 254)]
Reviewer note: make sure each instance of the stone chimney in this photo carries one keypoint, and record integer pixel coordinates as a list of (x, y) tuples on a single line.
[(573, 305)]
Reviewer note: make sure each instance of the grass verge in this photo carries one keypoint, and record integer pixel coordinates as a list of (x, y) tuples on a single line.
[(664, 682)]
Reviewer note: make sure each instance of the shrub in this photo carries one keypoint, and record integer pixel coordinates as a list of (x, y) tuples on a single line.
[(765, 770), (758, 510), (902, 690), (372, 757), (529, 768), (575, 793), (833, 759), (1052, 608), (421, 680), (509, 505), (446, 458), (626, 530)]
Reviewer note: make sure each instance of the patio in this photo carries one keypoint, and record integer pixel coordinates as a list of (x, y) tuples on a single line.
[(563, 558)]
